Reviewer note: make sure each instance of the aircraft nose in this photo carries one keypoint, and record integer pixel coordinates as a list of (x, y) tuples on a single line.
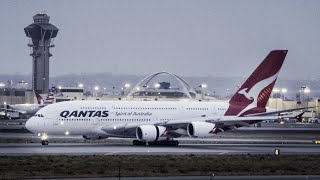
[(29, 125)]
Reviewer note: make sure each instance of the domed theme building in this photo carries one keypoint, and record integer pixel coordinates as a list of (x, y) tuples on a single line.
[(163, 85)]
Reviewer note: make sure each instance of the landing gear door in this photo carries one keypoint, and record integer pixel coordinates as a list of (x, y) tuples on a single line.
[(183, 109), (214, 111)]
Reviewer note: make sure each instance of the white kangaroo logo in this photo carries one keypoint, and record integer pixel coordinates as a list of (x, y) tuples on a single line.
[(255, 91)]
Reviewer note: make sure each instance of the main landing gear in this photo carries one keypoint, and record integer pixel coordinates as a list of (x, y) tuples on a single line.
[(138, 143), (156, 143), (164, 143)]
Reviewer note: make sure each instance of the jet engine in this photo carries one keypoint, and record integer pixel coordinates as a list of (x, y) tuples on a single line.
[(201, 129), (151, 133), (94, 136)]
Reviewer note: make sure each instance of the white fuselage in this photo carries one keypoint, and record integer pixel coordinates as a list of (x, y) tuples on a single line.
[(87, 117)]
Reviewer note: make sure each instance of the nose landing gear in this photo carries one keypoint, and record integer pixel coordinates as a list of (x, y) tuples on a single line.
[(44, 139), (44, 142)]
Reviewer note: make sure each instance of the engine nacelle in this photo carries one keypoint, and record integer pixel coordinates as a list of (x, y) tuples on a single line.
[(151, 133), (201, 129), (94, 136)]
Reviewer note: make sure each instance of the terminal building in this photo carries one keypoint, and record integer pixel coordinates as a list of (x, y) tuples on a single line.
[(68, 93), (16, 96)]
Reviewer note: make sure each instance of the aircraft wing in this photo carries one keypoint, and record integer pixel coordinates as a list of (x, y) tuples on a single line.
[(223, 122), (222, 119), (277, 112), (8, 110), (13, 110)]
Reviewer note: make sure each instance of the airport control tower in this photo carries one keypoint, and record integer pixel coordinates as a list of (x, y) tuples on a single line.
[(42, 34)]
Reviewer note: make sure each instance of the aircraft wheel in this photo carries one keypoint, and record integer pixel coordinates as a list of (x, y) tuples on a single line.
[(138, 143), (152, 143), (172, 143), (164, 143), (44, 142), (175, 143)]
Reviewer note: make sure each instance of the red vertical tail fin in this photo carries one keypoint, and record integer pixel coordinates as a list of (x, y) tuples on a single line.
[(253, 95), (37, 99)]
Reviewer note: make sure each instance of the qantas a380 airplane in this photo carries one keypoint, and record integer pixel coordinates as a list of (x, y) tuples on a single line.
[(158, 122)]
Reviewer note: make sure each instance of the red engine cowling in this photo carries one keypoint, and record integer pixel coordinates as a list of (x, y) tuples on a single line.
[(151, 133), (201, 129)]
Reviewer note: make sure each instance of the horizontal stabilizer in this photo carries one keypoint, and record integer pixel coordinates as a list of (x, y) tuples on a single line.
[(278, 112)]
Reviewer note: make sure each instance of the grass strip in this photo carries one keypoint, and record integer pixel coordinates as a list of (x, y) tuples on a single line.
[(17, 167)]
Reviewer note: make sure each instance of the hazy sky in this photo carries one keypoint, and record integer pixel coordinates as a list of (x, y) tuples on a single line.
[(189, 37)]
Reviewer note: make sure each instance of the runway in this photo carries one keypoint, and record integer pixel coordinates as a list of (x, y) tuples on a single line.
[(234, 139), (119, 149), (246, 141)]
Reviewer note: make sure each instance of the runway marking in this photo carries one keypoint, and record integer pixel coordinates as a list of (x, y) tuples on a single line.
[(225, 152), (110, 153)]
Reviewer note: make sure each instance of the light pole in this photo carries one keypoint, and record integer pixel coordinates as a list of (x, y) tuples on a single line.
[(307, 91), (104, 90), (276, 91), (113, 87), (227, 94), (302, 89), (284, 91), (96, 89), (202, 86), (145, 87), (126, 86)]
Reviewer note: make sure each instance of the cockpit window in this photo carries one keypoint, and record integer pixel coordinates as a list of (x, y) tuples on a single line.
[(38, 115)]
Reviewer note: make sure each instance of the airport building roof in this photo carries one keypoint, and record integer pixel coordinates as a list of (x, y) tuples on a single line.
[(171, 86)]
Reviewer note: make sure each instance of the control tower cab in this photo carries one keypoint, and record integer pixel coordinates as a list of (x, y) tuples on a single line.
[(42, 34)]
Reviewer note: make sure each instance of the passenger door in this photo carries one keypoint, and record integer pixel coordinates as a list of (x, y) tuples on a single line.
[(95, 121), (55, 121)]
